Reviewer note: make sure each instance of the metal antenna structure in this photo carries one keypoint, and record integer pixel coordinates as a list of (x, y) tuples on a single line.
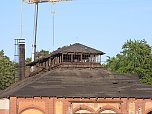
[(16, 51), (21, 20), (35, 33), (53, 23), (36, 2)]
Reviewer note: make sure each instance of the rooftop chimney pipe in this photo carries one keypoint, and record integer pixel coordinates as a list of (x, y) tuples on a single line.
[(21, 60)]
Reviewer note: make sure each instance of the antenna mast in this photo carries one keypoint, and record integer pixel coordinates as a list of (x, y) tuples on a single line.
[(21, 20), (53, 24), (36, 2), (35, 32)]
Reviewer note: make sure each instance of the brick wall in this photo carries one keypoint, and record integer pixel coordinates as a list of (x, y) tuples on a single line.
[(3, 111)]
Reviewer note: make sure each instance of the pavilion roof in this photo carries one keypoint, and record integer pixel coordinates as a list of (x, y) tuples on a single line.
[(77, 48)]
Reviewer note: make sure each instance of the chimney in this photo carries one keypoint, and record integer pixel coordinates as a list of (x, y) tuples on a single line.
[(21, 60)]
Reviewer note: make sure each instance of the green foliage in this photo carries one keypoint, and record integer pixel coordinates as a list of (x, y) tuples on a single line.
[(28, 60), (42, 53), (7, 71), (136, 57), (147, 79), (8, 68)]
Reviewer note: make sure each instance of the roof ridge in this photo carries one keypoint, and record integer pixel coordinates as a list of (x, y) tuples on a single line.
[(78, 47)]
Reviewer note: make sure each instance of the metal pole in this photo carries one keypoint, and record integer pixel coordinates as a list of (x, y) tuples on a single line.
[(53, 31), (53, 23), (21, 30), (35, 32)]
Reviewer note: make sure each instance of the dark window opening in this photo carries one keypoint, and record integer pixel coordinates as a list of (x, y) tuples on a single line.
[(85, 57), (66, 58), (76, 58)]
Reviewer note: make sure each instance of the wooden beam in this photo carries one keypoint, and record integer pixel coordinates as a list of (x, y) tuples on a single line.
[(62, 58)]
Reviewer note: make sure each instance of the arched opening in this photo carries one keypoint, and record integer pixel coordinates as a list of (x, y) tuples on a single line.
[(149, 112), (83, 109), (32, 111), (107, 112), (82, 112)]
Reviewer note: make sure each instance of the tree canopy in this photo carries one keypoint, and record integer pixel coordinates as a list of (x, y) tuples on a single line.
[(42, 53), (39, 54), (7, 71), (135, 57)]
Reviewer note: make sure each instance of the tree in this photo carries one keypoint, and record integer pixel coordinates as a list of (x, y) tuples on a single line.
[(8, 68), (136, 57), (28, 60), (39, 54), (42, 53), (7, 71)]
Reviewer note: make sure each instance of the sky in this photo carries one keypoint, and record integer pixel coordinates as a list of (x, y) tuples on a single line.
[(102, 24)]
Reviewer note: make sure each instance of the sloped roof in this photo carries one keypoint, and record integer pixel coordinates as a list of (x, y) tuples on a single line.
[(77, 48), (79, 83)]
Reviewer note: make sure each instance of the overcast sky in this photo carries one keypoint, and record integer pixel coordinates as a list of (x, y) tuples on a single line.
[(101, 24)]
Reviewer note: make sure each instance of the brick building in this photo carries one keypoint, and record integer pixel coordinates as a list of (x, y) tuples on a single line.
[(71, 80)]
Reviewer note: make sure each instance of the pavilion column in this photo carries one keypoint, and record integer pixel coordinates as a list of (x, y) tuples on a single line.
[(93, 59), (58, 60), (47, 64), (44, 64), (62, 57), (89, 57), (98, 59), (81, 57), (71, 57), (51, 63)]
